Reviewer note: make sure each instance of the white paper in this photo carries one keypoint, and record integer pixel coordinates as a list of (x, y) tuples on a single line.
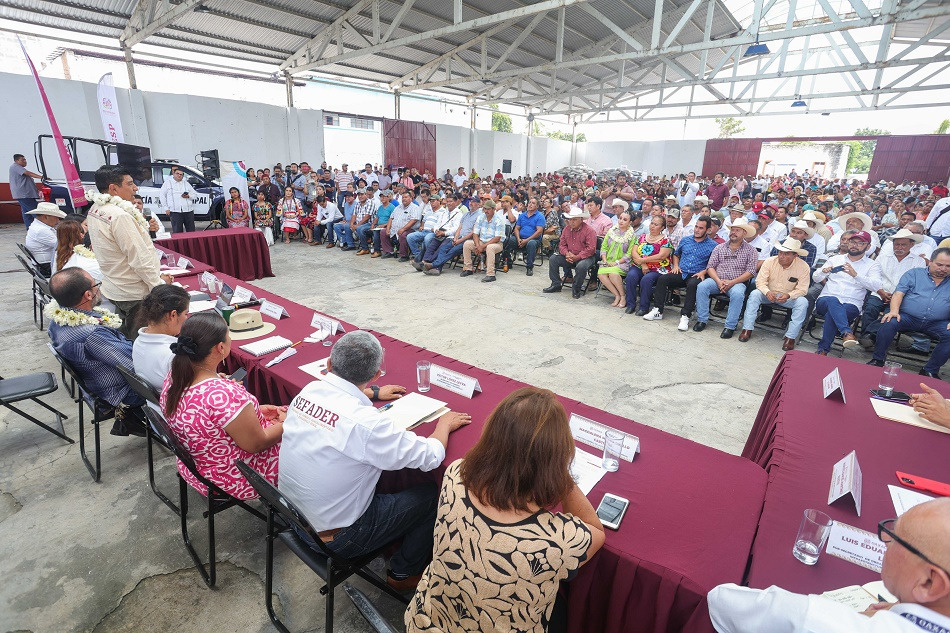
[(856, 546), (242, 295), (591, 433), (832, 383), (287, 353), (454, 381), (587, 470), (846, 479), (316, 337), (898, 412), (184, 263), (174, 272), (274, 311), (201, 306), (317, 368), (905, 499), (414, 409), (319, 319)]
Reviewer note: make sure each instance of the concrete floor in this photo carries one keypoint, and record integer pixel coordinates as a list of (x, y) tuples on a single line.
[(80, 556)]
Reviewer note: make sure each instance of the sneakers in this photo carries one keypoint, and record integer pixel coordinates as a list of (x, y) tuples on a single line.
[(466, 273), (684, 323), (653, 315), (848, 340), (488, 278)]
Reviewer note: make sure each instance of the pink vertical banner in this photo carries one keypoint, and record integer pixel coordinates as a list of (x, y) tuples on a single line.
[(73, 183)]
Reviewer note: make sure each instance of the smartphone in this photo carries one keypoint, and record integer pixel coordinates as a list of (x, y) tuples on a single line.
[(611, 510), (894, 396), (239, 375), (837, 269), (927, 485)]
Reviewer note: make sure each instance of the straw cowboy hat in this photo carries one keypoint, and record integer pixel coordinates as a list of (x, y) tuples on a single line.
[(247, 323), (904, 233), (866, 223), (47, 208), (576, 213), (801, 224), (791, 245), (742, 223), (811, 216)]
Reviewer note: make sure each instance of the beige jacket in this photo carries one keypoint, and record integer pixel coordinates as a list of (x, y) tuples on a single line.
[(130, 267)]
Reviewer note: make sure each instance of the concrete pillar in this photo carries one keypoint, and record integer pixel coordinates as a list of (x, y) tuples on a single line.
[(396, 100), (289, 82), (129, 67), (574, 143), (472, 149)]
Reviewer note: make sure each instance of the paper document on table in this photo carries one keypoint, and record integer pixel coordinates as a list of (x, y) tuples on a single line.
[(587, 470), (414, 409), (317, 369), (905, 499), (200, 306), (175, 272), (860, 597), (903, 413)]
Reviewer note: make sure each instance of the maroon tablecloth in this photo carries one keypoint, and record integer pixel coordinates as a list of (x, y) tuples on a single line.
[(241, 253), (693, 511), (798, 436)]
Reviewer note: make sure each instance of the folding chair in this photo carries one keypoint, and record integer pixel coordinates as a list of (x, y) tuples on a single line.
[(148, 394), (330, 567), (367, 609), (101, 412), (42, 295), (29, 257), (38, 302), (31, 387), (218, 500)]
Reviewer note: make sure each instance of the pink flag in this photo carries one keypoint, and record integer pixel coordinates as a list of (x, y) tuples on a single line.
[(76, 191)]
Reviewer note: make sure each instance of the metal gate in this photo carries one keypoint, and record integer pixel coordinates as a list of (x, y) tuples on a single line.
[(409, 144)]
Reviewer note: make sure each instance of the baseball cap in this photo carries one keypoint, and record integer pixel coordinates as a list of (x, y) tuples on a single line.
[(862, 235), (758, 206)]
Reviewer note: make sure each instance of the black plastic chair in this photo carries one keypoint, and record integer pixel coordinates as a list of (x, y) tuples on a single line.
[(30, 258), (218, 500), (38, 299), (368, 610), (282, 517), (148, 394), (101, 412), (31, 387)]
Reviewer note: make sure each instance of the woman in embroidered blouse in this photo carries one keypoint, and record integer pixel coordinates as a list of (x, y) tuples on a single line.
[(263, 212), (216, 419), (615, 258), (650, 258), (500, 553), (289, 210), (236, 210)]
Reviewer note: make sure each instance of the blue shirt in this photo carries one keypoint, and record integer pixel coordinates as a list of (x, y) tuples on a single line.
[(94, 351), (694, 256), (922, 297), (383, 213), (348, 210), (487, 229), (528, 226)]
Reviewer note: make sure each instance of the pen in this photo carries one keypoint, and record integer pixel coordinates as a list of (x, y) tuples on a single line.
[(296, 344), (386, 407)]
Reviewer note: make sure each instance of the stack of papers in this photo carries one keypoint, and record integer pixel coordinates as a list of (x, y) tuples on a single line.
[(587, 470), (414, 409), (861, 597), (200, 306), (174, 272)]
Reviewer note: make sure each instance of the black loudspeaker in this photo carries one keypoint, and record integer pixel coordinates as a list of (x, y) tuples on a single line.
[(506, 166), (210, 166)]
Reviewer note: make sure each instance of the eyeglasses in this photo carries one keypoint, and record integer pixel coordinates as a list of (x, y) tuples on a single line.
[(887, 527), (95, 285)]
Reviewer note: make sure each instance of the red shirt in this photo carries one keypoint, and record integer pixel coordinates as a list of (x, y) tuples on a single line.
[(582, 242), (941, 191)]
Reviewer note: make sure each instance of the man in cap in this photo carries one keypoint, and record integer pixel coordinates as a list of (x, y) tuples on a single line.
[(915, 570), (783, 281), (848, 279), (22, 188), (487, 236), (576, 253), (41, 236), (730, 266), (816, 223), (920, 303), (802, 232), (772, 230)]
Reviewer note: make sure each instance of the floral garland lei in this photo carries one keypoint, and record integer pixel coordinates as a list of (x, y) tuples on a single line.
[(71, 318), (101, 199), (82, 251)]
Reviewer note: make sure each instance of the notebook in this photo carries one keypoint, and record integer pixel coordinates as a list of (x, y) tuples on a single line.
[(414, 409), (898, 412), (861, 597), (267, 345)]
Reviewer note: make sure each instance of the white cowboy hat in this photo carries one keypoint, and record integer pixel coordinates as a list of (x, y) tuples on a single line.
[(866, 223), (743, 224), (620, 202), (576, 213), (247, 323), (801, 224), (700, 200), (47, 208), (791, 245), (905, 233), (811, 217)]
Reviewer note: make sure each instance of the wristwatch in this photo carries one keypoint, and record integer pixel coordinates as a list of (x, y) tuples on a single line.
[(375, 389)]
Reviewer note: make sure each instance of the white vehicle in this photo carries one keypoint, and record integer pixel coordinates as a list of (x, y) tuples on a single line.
[(207, 205)]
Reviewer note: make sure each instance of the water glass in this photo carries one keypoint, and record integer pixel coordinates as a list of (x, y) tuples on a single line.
[(382, 364), (613, 445), (327, 330), (812, 534), (889, 377), (202, 284), (423, 369)]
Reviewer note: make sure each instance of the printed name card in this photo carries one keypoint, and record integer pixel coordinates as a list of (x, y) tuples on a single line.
[(208, 277), (242, 295), (832, 385), (273, 310), (454, 381), (846, 480), (856, 546), (591, 433), (161, 255), (184, 263), (320, 322)]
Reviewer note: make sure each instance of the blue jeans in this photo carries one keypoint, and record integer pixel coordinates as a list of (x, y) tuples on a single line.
[(937, 329), (364, 231), (798, 305), (874, 309), (636, 277), (419, 242), (707, 288), (838, 318), (27, 205), (446, 252), (409, 514), (530, 249), (343, 233)]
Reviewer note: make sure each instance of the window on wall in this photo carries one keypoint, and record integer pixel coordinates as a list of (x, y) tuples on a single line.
[(331, 119), (363, 124)]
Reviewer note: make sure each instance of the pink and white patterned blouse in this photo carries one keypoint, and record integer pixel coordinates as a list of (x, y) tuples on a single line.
[(199, 423)]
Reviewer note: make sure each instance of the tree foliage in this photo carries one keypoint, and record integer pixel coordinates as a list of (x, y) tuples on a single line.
[(943, 128), (500, 122), (859, 159), (729, 127), (566, 136)]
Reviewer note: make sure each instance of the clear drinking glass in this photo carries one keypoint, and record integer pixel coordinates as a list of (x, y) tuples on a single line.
[(889, 377), (327, 330), (613, 445), (812, 534), (423, 369), (382, 364)]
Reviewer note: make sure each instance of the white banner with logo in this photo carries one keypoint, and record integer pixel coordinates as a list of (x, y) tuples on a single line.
[(109, 110)]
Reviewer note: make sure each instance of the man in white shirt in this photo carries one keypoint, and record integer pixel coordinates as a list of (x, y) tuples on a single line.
[(401, 224), (938, 221), (459, 178), (41, 236), (849, 278), (328, 214), (855, 221), (915, 570), (176, 196), (686, 190), (368, 175), (895, 261), (336, 445)]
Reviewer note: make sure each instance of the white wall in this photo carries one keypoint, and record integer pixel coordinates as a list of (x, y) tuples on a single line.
[(452, 145), (654, 157), (548, 154)]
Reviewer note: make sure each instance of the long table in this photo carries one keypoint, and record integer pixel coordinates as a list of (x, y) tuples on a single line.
[(693, 511), (798, 436), (241, 253)]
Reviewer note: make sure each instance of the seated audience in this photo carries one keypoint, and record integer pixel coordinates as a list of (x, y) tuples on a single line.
[(575, 254), (41, 235), (496, 525), (615, 254), (420, 240), (324, 227), (486, 240), (783, 280), (216, 420), (459, 230), (364, 212), (855, 221), (236, 211), (848, 279), (343, 230), (526, 234), (402, 222), (920, 303), (164, 311), (730, 266), (553, 223), (914, 569), (650, 258), (290, 211), (332, 427)]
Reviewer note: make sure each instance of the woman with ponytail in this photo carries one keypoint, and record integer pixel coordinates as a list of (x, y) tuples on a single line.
[(164, 310), (215, 418)]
